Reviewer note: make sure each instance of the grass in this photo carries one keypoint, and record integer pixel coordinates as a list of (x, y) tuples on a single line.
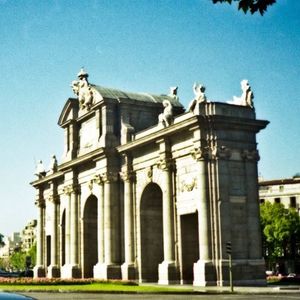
[(92, 287)]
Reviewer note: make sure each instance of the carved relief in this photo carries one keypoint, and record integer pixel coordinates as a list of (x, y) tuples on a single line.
[(149, 173), (54, 199), (188, 185), (127, 175), (110, 177)]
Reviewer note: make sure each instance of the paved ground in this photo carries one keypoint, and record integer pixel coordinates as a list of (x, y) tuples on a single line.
[(93, 296)]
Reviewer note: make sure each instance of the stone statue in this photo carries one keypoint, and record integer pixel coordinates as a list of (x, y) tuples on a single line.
[(246, 99), (40, 169), (53, 164), (166, 118), (173, 91), (82, 89), (200, 97)]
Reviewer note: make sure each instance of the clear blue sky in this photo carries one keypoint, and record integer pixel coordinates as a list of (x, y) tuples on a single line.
[(146, 46)]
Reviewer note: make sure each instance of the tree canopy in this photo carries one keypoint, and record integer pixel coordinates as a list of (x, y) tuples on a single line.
[(250, 5), (1, 240), (280, 229)]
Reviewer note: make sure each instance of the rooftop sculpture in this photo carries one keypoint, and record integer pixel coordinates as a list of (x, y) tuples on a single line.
[(200, 97), (246, 99), (82, 89)]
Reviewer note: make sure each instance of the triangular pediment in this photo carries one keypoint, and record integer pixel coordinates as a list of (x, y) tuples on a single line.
[(69, 112)]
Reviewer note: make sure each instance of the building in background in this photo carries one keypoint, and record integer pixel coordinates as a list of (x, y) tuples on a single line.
[(285, 191), (28, 235)]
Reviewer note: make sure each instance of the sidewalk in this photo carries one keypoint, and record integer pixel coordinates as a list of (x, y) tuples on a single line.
[(283, 289)]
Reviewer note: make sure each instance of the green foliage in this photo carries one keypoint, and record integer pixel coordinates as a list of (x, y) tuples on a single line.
[(17, 260), (250, 5), (280, 230), (32, 254)]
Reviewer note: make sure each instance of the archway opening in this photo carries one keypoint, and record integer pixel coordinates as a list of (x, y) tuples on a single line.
[(151, 232), (90, 243), (189, 245)]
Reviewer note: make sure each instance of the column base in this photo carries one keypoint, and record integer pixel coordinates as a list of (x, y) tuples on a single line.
[(70, 271), (107, 271), (53, 271), (168, 273), (204, 273), (128, 271), (39, 271)]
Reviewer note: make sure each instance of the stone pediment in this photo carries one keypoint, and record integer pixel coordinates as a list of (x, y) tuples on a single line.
[(69, 112)]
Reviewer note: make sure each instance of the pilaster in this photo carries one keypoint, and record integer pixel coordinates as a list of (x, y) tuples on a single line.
[(168, 272), (39, 269), (128, 176)]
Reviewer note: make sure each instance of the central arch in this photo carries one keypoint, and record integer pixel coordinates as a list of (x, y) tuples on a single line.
[(90, 248), (151, 218)]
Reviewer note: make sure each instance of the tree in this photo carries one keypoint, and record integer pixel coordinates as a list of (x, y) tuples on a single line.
[(250, 5), (280, 231)]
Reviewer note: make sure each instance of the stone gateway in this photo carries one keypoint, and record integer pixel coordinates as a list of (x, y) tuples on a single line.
[(147, 192)]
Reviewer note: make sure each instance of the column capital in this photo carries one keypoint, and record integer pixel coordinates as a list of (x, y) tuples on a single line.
[(98, 179), (72, 188), (109, 177), (250, 155), (199, 153), (127, 175), (40, 202), (55, 199), (220, 152), (165, 163)]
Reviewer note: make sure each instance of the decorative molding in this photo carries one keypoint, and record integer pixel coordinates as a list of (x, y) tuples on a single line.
[(40, 202), (98, 179), (149, 173)]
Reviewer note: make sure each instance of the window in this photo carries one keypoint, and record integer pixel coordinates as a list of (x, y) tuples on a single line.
[(293, 202), (277, 200)]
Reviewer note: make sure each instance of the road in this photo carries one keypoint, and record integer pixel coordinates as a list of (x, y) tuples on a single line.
[(95, 296)]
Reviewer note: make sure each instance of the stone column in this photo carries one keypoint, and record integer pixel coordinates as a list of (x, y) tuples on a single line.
[(53, 269), (110, 269), (128, 267), (100, 230), (71, 269), (204, 274), (39, 269), (168, 269)]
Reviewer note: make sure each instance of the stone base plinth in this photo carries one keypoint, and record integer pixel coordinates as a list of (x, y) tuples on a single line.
[(204, 273), (107, 271), (70, 271), (39, 271), (245, 272), (128, 271), (53, 271), (168, 273)]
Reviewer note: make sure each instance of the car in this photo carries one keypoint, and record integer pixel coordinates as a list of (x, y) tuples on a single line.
[(13, 296)]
